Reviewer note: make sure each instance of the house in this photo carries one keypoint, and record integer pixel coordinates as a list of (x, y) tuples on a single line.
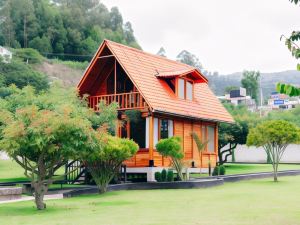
[(173, 100), (282, 101), (238, 97), (5, 54)]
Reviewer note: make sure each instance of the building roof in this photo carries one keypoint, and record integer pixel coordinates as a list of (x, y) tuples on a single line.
[(147, 72)]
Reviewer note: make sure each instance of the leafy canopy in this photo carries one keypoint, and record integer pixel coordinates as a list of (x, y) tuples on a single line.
[(170, 147), (274, 132)]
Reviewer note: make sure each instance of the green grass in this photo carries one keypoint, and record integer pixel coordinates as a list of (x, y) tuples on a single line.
[(232, 168), (10, 171), (248, 202)]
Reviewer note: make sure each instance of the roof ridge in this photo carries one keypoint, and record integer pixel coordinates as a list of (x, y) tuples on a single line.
[(151, 54)]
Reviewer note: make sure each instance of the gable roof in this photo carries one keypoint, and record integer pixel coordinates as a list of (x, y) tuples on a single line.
[(145, 71)]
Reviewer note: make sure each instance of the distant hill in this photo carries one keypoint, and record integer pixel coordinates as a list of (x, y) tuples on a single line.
[(218, 83)]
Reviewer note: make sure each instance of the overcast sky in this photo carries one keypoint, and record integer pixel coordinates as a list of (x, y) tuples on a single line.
[(227, 36)]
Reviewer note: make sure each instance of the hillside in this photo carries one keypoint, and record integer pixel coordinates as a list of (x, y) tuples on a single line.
[(218, 83)]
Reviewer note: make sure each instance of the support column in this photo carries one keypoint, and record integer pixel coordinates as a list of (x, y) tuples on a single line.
[(151, 141), (115, 74)]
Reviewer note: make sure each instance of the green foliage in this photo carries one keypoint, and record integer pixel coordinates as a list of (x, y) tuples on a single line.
[(164, 175), (157, 176), (274, 136), (216, 171), (230, 88), (288, 89), (250, 82), (189, 59), (231, 135), (171, 147), (222, 170), (170, 176), (105, 162), (66, 29), (291, 115), (72, 64), (134, 116), (21, 75), (41, 132), (28, 55), (293, 47)]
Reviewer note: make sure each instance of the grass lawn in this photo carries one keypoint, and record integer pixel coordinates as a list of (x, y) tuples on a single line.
[(11, 171), (248, 202), (232, 168)]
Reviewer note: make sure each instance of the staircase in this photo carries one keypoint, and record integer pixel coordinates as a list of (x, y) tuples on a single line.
[(75, 172)]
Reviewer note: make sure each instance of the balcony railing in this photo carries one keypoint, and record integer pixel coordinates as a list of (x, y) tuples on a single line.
[(131, 100)]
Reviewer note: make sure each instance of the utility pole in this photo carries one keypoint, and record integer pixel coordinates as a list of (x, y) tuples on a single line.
[(261, 96)]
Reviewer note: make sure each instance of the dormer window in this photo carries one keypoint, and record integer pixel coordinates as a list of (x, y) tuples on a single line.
[(185, 89)]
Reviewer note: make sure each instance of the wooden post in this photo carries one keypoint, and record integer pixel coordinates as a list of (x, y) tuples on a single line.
[(115, 77), (151, 138)]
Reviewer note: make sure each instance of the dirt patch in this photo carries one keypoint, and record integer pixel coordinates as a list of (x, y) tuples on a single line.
[(69, 76)]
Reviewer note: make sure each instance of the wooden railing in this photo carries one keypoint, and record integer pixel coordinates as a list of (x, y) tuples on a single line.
[(131, 100)]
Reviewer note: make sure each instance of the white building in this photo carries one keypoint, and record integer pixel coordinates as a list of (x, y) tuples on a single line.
[(282, 101), (239, 96), (5, 54)]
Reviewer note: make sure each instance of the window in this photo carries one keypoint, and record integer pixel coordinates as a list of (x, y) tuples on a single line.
[(181, 88), (189, 90), (211, 139), (185, 89), (164, 133)]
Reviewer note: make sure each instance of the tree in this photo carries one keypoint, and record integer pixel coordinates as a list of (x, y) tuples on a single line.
[(200, 145), (231, 135), (161, 52), (274, 136), (171, 147), (250, 82), (41, 132), (292, 44), (189, 59), (104, 163)]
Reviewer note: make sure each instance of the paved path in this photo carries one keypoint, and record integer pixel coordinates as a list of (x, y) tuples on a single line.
[(28, 198)]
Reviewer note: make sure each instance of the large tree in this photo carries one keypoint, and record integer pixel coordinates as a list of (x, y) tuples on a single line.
[(231, 135), (41, 132), (189, 59), (250, 82), (274, 136)]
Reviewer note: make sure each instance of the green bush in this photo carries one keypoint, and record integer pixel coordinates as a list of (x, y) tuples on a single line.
[(157, 176), (222, 170), (28, 54), (216, 171), (163, 175), (170, 176)]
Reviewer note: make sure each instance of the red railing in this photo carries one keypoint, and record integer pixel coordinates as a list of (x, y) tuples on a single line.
[(131, 100)]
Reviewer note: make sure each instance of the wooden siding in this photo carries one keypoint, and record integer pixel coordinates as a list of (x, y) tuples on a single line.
[(182, 129)]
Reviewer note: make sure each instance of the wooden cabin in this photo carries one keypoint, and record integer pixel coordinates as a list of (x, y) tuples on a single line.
[(173, 100)]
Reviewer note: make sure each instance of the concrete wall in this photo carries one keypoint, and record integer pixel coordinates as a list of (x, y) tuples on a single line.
[(252, 154)]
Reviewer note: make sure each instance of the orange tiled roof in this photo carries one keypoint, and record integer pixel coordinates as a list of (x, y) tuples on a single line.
[(143, 69)]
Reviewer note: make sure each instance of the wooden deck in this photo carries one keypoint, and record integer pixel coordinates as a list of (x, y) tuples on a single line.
[(132, 100)]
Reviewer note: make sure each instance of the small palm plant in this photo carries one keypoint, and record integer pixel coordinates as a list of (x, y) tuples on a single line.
[(201, 145)]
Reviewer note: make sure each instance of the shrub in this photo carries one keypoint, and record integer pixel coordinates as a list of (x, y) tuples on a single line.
[(157, 176), (222, 170), (216, 171), (29, 54), (170, 176), (163, 175), (171, 147)]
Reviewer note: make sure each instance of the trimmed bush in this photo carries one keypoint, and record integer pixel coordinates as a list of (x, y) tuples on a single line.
[(170, 176), (163, 175), (216, 171), (157, 176), (222, 170)]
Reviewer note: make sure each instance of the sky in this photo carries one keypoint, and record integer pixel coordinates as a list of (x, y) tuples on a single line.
[(227, 36)]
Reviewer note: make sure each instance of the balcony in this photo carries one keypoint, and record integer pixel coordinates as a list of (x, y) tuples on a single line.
[(132, 100)]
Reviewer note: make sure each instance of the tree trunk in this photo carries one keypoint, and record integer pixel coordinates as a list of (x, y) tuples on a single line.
[(102, 188), (275, 172), (39, 192)]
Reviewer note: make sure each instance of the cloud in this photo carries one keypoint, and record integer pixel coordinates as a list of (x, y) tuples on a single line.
[(227, 36)]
